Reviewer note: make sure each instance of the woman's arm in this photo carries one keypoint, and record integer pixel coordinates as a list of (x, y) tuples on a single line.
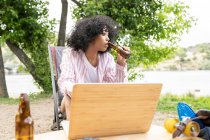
[(115, 73), (67, 77)]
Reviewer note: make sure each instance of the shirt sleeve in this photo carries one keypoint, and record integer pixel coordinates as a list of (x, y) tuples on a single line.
[(114, 72), (67, 77)]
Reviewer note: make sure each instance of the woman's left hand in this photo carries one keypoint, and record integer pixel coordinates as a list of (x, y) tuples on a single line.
[(120, 60)]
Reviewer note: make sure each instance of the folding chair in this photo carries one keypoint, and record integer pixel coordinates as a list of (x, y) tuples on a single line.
[(55, 57)]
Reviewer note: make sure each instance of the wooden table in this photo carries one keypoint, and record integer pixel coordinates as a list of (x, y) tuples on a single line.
[(53, 135), (155, 133)]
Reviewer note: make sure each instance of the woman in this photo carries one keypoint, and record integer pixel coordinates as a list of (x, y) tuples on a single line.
[(87, 58)]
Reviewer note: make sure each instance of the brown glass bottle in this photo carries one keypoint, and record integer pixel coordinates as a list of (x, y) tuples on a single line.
[(122, 51), (24, 125)]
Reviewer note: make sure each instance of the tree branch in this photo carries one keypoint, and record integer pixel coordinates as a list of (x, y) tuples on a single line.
[(24, 59), (77, 3)]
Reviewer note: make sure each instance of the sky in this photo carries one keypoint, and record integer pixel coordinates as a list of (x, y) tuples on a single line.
[(199, 33), (55, 12)]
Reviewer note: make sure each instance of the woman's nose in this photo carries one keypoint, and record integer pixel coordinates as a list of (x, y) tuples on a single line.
[(107, 38)]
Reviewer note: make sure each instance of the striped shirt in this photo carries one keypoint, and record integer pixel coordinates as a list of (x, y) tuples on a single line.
[(74, 70)]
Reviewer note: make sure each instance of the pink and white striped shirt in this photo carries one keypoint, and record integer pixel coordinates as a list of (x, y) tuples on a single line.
[(74, 70)]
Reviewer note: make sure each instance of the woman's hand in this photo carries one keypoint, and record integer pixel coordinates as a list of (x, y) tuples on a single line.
[(121, 60), (67, 93)]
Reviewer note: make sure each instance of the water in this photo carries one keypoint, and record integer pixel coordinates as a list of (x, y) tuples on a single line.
[(17, 84), (180, 82), (176, 82)]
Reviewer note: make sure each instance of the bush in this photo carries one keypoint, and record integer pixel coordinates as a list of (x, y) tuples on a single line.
[(22, 69)]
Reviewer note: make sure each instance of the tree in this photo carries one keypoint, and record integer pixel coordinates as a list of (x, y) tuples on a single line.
[(151, 27), (3, 87), (25, 28), (181, 53), (62, 29)]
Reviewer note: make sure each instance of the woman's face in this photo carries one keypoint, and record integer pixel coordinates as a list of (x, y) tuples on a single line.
[(101, 41)]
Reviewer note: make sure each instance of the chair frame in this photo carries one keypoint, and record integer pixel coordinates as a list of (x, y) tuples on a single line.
[(54, 53)]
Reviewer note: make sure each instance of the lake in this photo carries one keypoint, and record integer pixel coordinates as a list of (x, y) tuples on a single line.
[(17, 84), (180, 82), (176, 82)]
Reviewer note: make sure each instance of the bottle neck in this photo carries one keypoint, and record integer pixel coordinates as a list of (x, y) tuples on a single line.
[(24, 108)]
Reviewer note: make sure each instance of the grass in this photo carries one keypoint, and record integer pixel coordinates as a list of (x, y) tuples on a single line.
[(34, 97), (168, 102)]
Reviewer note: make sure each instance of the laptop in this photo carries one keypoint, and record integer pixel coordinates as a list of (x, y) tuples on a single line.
[(100, 110)]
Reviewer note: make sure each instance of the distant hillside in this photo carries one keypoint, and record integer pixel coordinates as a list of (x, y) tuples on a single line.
[(192, 58)]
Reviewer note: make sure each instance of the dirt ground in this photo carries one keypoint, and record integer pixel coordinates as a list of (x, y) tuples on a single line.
[(42, 113)]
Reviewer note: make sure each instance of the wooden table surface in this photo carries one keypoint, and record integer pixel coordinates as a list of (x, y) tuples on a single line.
[(155, 133)]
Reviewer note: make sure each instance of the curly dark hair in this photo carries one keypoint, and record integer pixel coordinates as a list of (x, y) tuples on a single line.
[(87, 29)]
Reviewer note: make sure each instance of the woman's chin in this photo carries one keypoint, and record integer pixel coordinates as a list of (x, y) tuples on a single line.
[(104, 49)]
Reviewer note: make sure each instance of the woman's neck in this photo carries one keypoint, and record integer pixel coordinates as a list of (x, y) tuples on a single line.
[(92, 56)]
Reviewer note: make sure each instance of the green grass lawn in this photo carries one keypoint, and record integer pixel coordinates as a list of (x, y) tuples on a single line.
[(168, 102), (32, 97)]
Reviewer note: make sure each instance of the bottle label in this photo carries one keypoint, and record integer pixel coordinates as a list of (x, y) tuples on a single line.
[(28, 120)]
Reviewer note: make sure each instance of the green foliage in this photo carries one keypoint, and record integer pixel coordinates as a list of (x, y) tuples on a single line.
[(150, 27), (21, 69), (181, 52), (25, 23), (205, 65), (168, 102), (202, 48)]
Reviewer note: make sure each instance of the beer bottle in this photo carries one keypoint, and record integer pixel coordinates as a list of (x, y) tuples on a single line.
[(121, 50), (24, 125)]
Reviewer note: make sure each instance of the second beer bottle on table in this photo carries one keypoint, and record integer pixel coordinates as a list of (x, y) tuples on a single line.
[(24, 125)]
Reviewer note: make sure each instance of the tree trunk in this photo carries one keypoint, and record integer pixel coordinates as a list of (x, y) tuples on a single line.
[(3, 87), (25, 60), (63, 21)]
